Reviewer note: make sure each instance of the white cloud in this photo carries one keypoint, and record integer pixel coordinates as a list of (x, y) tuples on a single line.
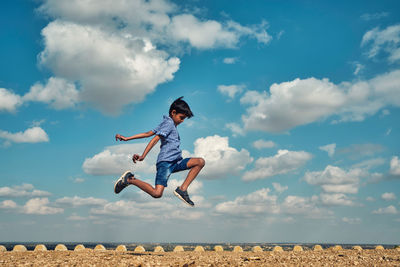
[(221, 159), (351, 220), (301, 102), (78, 180), (9, 101), (291, 104), (149, 210), (253, 204), (114, 160), (336, 200), (388, 210), (109, 48), (395, 166), (329, 148), (24, 190), (260, 144), (230, 60), (113, 70), (30, 135), (202, 34), (57, 92), (388, 196), (336, 180), (236, 129), (358, 68), (370, 199), (40, 206), (279, 188), (306, 206), (231, 90), (80, 201), (374, 16), (8, 204), (386, 40), (284, 161)]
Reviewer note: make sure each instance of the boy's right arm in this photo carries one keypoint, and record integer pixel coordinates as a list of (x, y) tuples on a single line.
[(136, 136)]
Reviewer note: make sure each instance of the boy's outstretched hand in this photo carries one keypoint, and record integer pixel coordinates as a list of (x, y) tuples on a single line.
[(136, 157), (120, 137)]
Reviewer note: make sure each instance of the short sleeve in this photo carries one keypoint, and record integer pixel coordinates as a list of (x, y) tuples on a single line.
[(164, 128)]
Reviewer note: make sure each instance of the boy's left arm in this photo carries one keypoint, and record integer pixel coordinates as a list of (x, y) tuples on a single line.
[(149, 146)]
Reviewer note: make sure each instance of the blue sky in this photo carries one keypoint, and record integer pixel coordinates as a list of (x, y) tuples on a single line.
[(296, 113)]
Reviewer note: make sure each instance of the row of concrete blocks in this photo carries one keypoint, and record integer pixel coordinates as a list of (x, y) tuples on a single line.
[(62, 247)]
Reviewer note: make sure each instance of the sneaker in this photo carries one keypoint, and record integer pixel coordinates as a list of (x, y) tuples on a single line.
[(184, 196), (122, 182)]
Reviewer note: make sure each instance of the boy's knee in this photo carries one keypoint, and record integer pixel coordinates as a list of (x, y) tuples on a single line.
[(202, 162), (157, 195)]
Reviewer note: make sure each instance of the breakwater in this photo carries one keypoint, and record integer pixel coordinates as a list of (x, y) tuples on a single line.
[(176, 247)]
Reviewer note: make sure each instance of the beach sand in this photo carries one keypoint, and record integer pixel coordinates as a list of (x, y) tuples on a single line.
[(388, 257)]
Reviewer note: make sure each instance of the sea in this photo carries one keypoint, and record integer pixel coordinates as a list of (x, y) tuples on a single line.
[(189, 246)]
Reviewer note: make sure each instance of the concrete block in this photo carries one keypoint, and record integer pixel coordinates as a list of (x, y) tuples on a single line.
[(19, 248), (139, 249), (79, 247), (60, 247), (257, 249), (237, 249), (121, 248), (40, 247), (218, 248), (178, 249)]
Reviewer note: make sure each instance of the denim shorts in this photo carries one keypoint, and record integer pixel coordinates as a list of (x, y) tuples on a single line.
[(165, 168)]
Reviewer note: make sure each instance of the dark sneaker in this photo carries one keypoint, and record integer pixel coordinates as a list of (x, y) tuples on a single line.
[(184, 196), (122, 182)]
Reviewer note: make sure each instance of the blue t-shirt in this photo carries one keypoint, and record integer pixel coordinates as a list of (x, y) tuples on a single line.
[(170, 140)]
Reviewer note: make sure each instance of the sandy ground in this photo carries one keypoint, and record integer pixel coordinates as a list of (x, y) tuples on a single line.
[(388, 257)]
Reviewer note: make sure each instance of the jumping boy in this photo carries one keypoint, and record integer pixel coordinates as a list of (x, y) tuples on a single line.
[(169, 159)]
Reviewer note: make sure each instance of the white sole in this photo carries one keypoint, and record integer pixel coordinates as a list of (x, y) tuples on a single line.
[(120, 178), (179, 196)]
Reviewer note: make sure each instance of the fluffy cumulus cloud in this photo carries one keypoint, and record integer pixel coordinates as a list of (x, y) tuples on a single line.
[(149, 210), (386, 40), (284, 161), (8, 204), (59, 93), (305, 206), (114, 160), (253, 204), (336, 180), (30, 135), (109, 48), (262, 203), (338, 199), (221, 159), (231, 90), (388, 196), (112, 70), (40, 206), (395, 166), (303, 101), (24, 190), (9, 101), (387, 210)]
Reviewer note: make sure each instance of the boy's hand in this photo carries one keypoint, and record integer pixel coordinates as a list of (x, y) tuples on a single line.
[(136, 157), (119, 137)]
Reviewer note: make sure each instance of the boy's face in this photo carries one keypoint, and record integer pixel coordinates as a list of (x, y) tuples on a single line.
[(178, 118)]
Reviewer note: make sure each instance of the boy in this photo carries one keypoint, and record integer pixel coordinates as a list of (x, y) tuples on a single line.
[(169, 159)]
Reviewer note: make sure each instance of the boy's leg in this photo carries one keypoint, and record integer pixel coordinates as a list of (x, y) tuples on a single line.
[(148, 188), (195, 165)]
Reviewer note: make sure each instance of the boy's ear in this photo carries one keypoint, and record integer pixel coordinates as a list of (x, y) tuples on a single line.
[(173, 112)]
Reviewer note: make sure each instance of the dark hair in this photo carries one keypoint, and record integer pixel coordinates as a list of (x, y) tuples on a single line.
[(180, 106)]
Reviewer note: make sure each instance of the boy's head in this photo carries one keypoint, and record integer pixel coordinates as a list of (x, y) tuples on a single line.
[(180, 106)]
